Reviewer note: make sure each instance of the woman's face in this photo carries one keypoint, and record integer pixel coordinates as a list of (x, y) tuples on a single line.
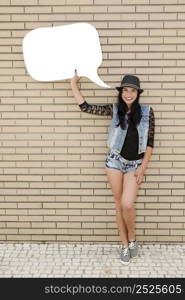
[(129, 95)]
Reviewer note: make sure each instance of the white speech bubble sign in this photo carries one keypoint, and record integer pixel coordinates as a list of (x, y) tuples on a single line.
[(53, 53)]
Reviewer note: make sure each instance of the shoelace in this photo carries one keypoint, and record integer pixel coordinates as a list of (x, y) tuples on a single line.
[(132, 245), (125, 251)]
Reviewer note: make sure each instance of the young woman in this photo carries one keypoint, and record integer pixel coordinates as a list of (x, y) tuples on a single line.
[(130, 141)]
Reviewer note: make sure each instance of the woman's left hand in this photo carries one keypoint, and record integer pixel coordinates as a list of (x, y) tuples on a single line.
[(139, 173)]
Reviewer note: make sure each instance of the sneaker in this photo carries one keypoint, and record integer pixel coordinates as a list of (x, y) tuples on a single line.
[(125, 256), (133, 247)]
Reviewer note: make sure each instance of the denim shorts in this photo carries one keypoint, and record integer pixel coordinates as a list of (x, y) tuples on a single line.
[(116, 161)]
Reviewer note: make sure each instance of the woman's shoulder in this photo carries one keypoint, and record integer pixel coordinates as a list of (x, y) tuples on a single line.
[(115, 107), (146, 106)]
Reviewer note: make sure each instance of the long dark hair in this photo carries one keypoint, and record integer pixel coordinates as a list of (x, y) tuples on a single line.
[(135, 115)]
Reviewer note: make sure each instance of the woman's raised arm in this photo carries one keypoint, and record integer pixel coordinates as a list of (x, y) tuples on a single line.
[(101, 110), (76, 92)]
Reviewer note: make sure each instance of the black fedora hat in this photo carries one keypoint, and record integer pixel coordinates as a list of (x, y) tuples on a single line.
[(130, 81)]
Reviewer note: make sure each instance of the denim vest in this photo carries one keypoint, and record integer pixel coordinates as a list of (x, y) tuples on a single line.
[(116, 135)]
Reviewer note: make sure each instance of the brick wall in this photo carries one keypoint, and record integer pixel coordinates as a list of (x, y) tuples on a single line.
[(53, 185)]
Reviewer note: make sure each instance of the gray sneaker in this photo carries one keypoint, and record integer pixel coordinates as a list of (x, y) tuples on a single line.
[(133, 247), (125, 256)]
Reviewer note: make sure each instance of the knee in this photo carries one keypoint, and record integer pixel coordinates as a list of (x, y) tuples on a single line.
[(126, 205), (118, 202)]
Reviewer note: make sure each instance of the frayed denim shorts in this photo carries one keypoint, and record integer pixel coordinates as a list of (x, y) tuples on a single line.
[(116, 161)]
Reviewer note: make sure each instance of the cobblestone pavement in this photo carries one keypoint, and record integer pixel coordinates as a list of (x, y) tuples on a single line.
[(78, 260)]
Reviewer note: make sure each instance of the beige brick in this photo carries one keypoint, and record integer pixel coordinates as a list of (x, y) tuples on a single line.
[(26, 2), (156, 232), (37, 9), (114, 239), (177, 192), (169, 238), (93, 185), (135, 48), (180, 232), (68, 212), (31, 218), (5, 2), (2, 225), (8, 231), (69, 238), (147, 238), (180, 32), (41, 212), (126, 24), (171, 185), (118, 8), (178, 205), (105, 231), (43, 238), (92, 212), (142, 212), (108, 16), (80, 2), (78, 17), (157, 219), (18, 224), (164, 2), (94, 225), (87, 238), (19, 237), (149, 40), (98, 2), (104, 219), (68, 225), (158, 192), (55, 231), (55, 218), (50, 2), (55, 205), (29, 205), (171, 213), (137, 2), (170, 225), (8, 219), (145, 225), (163, 16), (25, 17), (149, 55), (174, 8), (81, 218), (43, 225), (149, 24), (11, 25), (178, 219), (157, 205), (80, 231), (163, 32)]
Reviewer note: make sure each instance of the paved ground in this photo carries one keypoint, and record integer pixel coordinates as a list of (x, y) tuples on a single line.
[(71, 260)]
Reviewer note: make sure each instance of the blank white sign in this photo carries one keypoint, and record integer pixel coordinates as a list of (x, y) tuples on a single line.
[(52, 53)]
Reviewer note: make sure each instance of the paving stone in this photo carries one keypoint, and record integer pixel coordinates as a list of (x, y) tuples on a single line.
[(78, 260)]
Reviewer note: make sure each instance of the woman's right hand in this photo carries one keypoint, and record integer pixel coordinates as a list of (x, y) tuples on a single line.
[(75, 78)]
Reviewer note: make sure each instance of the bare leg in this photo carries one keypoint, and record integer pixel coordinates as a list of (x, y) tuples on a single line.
[(130, 189), (115, 179)]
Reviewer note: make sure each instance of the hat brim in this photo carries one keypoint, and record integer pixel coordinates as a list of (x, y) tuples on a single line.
[(119, 88)]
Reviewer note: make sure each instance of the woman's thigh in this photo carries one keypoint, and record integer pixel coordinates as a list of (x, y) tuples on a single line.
[(130, 189), (115, 179)]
